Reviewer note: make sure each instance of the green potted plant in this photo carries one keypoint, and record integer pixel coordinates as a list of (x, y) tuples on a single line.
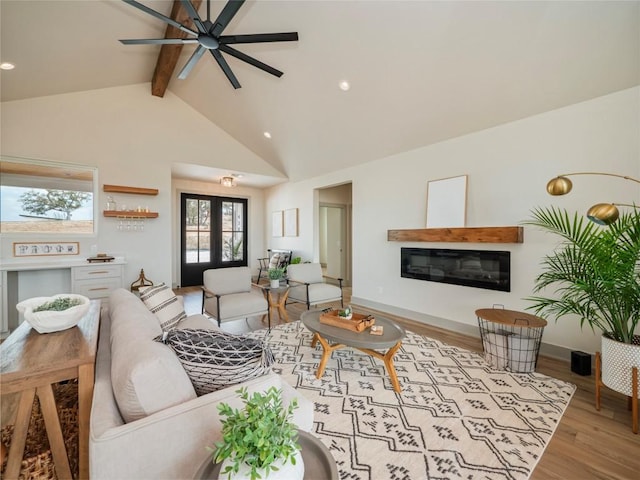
[(275, 274), (595, 271), (259, 440)]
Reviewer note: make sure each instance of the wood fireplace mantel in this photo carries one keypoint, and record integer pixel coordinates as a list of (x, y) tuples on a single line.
[(463, 234)]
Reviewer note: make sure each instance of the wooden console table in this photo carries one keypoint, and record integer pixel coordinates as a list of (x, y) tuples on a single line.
[(31, 363)]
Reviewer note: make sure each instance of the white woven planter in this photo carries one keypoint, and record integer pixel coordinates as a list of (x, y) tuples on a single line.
[(617, 361)]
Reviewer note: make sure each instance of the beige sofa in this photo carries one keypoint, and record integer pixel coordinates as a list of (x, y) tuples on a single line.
[(146, 420)]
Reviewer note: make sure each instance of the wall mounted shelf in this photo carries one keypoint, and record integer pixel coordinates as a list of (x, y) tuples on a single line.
[(463, 234), (129, 214), (134, 190)]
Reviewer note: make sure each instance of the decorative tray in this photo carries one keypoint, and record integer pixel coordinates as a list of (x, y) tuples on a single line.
[(100, 259), (357, 323)]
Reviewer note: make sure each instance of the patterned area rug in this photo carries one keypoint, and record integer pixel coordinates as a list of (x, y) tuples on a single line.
[(455, 417)]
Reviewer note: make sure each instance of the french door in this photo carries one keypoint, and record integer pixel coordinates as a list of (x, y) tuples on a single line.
[(214, 235)]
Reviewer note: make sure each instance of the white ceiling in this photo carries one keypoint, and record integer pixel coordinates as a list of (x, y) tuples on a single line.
[(421, 71)]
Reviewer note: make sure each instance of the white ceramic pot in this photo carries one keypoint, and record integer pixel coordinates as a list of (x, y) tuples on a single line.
[(275, 283), (286, 471), (617, 361), (48, 321)]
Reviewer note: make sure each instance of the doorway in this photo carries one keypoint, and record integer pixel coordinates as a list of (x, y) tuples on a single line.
[(335, 231), (213, 235)]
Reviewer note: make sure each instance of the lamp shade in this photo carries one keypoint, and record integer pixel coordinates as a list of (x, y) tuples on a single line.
[(559, 186), (603, 213)]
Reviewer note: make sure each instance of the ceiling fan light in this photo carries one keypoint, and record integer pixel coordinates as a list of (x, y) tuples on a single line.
[(227, 182), (559, 186), (603, 213)]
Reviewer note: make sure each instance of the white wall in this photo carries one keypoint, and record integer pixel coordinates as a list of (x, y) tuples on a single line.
[(133, 138), (508, 167)]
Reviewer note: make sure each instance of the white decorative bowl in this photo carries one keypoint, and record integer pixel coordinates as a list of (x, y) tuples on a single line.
[(48, 321)]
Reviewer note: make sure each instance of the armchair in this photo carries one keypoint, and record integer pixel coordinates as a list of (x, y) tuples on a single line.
[(227, 295), (308, 285), (276, 259)]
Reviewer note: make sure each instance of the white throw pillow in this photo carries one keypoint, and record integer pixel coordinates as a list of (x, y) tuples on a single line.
[(166, 306)]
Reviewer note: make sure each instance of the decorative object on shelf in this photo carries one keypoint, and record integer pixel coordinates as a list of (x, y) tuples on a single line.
[(37, 249), (52, 314), (447, 202), (275, 275), (291, 222), (276, 223), (259, 437), (227, 182), (101, 257), (142, 281), (131, 220), (600, 213), (467, 234), (596, 272)]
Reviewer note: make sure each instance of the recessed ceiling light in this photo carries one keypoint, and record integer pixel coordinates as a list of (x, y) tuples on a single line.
[(344, 85), (7, 66), (267, 135), (237, 175)]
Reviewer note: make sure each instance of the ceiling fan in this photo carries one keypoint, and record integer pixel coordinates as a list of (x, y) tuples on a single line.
[(209, 37)]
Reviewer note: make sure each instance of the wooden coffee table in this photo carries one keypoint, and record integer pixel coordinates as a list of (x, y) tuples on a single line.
[(390, 340)]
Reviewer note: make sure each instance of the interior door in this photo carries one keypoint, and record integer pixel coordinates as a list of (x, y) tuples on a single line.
[(335, 235)]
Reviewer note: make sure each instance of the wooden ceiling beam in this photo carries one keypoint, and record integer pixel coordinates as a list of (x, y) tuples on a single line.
[(169, 54)]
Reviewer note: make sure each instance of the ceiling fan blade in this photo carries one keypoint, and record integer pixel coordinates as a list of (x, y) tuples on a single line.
[(191, 62), (159, 41), (259, 38), (227, 14), (225, 68), (162, 17), (250, 60), (188, 6)]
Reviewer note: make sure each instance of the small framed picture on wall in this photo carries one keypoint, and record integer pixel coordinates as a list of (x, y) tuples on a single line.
[(291, 222), (276, 224)]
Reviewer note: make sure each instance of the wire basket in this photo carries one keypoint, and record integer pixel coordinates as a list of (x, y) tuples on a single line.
[(511, 341)]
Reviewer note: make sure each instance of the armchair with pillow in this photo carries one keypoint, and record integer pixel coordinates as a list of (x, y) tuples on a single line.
[(308, 285), (276, 259), (227, 294)]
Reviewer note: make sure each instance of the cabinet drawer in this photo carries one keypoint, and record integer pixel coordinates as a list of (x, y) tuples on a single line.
[(97, 288), (97, 271)]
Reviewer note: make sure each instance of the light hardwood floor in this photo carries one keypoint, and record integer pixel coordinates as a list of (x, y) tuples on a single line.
[(587, 444)]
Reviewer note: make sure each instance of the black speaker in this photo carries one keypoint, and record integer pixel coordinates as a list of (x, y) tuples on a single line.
[(581, 363)]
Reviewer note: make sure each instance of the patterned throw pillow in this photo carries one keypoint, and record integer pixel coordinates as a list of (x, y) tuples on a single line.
[(274, 261), (214, 360), (161, 301)]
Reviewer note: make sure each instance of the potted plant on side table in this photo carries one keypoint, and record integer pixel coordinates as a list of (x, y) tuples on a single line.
[(596, 272), (259, 440), (275, 275)]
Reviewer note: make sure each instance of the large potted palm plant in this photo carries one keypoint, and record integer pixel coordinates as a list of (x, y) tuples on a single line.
[(595, 271)]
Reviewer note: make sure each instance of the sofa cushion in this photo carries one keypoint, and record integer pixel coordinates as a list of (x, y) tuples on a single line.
[(161, 300), (215, 360), (147, 378)]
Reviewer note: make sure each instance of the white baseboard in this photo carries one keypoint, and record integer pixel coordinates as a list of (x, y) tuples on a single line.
[(546, 349)]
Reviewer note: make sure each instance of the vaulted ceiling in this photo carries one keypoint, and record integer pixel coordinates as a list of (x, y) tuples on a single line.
[(420, 71)]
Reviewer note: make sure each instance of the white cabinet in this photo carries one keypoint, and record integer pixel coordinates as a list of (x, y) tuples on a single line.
[(97, 280), (22, 280)]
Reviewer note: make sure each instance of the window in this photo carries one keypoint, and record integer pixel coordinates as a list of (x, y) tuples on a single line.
[(38, 197)]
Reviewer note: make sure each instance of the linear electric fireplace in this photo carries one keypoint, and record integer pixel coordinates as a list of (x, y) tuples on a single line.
[(472, 268)]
